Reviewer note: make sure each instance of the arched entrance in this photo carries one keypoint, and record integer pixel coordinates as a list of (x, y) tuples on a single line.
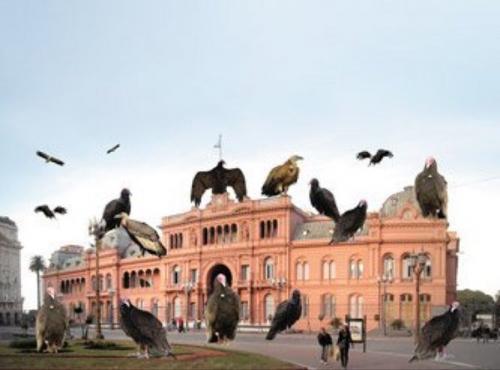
[(212, 274)]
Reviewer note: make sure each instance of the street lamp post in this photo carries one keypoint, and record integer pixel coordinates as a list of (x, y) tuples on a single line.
[(96, 232), (111, 293), (417, 263), (188, 288), (383, 281)]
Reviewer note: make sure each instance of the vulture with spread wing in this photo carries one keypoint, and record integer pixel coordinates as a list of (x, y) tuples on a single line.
[(349, 223), (431, 191), (45, 210), (381, 154), (48, 158), (437, 333), (218, 179), (287, 313), (222, 313), (145, 329), (51, 324), (323, 200), (114, 208), (111, 150), (281, 177), (143, 235)]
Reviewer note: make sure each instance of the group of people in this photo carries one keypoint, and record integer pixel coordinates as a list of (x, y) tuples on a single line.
[(340, 350)]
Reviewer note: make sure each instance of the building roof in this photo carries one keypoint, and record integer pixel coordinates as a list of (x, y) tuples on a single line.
[(393, 205), (314, 230), (119, 239)]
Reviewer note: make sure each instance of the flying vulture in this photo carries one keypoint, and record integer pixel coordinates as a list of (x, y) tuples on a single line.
[(45, 210), (49, 158), (218, 179), (350, 222), (431, 192), (281, 177), (61, 210), (437, 333), (114, 208), (222, 313), (145, 329), (375, 159), (111, 150), (51, 324), (287, 313), (323, 200), (143, 235)]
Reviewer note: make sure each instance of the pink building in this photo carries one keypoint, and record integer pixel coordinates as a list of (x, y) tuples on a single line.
[(266, 248)]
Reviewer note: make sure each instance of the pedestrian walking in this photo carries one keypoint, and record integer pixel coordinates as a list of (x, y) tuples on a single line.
[(344, 342), (325, 341)]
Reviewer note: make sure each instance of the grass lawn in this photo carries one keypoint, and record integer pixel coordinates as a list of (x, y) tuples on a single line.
[(76, 357)]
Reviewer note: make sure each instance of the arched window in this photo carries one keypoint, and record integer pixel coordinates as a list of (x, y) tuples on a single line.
[(353, 269), (268, 268), (219, 235), (177, 307), (205, 236), (407, 271), (427, 272), (126, 280), (299, 272), (262, 229), (212, 235), (328, 305), (388, 267), (406, 309), (234, 233), (172, 243), (356, 303), (109, 283), (227, 234), (305, 268), (268, 229), (269, 307), (360, 269), (275, 228), (133, 279), (94, 283), (176, 275)]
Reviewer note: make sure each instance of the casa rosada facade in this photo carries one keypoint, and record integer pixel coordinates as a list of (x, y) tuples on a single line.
[(266, 248)]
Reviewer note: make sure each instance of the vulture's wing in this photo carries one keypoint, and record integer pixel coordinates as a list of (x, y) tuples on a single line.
[(202, 181), (433, 332), (386, 153), (273, 178), (280, 320), (61, 210), (348, 224), (236, 179), (326, 200), (57, 161), (363, 155), (113, 149), (43, 155), (145, 236), (45, 210), (146, 323)]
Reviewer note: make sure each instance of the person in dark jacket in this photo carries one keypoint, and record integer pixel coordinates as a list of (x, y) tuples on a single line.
[(344, 341), (325, 341)]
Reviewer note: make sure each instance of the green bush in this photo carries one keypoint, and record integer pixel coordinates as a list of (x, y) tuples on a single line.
[(397, 324), (23, 344), (104, 345)]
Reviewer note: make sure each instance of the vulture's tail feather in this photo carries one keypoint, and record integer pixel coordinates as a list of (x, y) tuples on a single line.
[(271, 334)]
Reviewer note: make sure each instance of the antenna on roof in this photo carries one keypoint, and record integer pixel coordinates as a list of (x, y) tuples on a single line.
[(218, 145)]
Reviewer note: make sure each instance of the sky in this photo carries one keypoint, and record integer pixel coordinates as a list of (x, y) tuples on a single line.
[(322, 79)]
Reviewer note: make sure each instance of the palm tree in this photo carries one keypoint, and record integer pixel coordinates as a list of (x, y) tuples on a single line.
[(37, 264)]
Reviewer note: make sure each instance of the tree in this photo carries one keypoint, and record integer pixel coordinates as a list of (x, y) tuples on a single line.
[(37, 264)]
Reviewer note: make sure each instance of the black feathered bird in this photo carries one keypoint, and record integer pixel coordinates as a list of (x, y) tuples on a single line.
[(48, 158), (222, 313), (363, 155), (61, 210), (45, 210), (218, 179), (145, 329), (143, 235), (51, 323), (114, 208), (287, 313), (437, 333), (431, 191), (350, 222), (111, 150), (323, 200), (381, 154)]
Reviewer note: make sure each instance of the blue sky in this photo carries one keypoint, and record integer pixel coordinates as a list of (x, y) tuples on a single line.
[(320, 79)]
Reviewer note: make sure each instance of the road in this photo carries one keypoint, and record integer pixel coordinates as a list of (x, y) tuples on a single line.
[(382, 352)]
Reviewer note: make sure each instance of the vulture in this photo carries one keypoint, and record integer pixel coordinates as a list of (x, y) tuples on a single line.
[(51, 323), (431, 192), (281, 177), (218, 179), (49, 158), (111, 150), (145, 329), (61, 210), (323, 200), (437, 333), (114, 208), (287, 313), (222, 313), (363, 155), (375, 159), (350, 222), (143, 235), (45, 210)]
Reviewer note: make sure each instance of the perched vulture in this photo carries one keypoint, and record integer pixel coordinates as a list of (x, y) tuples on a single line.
[(111, 150), (287, 313), (51, 324), (45, 210), (363, 155), (61, 210), (143, 235), (323, 200), (49, 158), (431, 192), (114, 208), (281, 177), (437, 333), (350, 222), (218, 179), (145, 329), (222, 313)]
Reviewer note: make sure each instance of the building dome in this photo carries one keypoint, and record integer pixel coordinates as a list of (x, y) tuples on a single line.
[(394, 205), (119, 239)]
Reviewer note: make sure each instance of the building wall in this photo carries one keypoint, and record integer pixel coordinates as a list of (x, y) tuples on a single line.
[(11, 301), (275, 230)]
